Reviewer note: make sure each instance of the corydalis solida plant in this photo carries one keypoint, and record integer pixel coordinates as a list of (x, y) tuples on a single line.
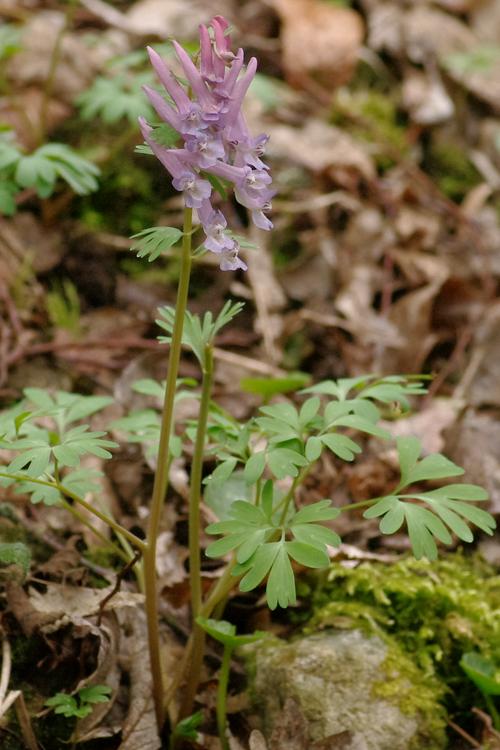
[(263, 536), (216, 141)]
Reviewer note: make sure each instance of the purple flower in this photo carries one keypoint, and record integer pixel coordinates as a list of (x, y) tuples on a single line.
[(206, 148), (214, 133), (194, 188), (230, 261), (214, 225)]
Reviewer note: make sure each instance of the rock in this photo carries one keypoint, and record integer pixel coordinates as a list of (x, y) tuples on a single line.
[(343, 681)]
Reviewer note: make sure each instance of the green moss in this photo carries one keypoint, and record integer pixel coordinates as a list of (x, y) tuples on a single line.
[(433, 611), (373, 117), (448, 164)]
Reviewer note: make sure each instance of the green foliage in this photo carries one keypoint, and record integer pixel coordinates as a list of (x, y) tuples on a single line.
[(41, 170), (447, 506), (10, 38), (187, 729), (198, 333), (258, 535), (42, 430), (225, 632), (479, 60), (268, 387), (63, 307), (448, 163), (152, 242), (15, 553), (266, 531), (8, 192), (115, 99), (80, 705), (482, 672)]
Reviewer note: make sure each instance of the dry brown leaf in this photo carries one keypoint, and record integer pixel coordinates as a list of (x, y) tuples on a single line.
[(429, 32), (67, 602), (426, 98), (485, 379), (176, 19), (430, 424), (474, 443), (139, 728), (31, 64), (320, 147), (484, 18), (257, 741), (411, 314), (329, 39), (355, 302)]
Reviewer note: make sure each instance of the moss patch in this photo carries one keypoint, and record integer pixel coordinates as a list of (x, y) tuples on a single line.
[(433, 612)]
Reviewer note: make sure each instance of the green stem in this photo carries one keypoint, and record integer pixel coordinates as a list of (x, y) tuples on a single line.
[(117, 528), (161, 476), (224, 585), (285, 502), (222, 696), (198, 648), (361, 504), (493, 712), (195, 486), (218, 593)]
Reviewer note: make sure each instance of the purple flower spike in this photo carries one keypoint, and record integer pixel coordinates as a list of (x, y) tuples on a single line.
[(214, 134)]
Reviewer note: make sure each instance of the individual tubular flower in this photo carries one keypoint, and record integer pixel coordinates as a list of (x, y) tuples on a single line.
[(215, 136)]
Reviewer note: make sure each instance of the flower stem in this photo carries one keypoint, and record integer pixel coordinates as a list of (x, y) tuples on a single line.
[(195, 486), (222, 696), (161, 476), (198, 647), (218, 593)]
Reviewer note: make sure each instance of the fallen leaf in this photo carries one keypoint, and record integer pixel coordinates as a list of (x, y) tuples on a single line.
[(320, 147), (177, 19), (426, 98), (329, 39)]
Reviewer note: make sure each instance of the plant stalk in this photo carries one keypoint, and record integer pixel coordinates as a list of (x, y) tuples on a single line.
[(161, 477), (222, 696), (198, 647), (195, 485)]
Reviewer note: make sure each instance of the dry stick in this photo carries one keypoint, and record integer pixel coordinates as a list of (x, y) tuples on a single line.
[(14, 697), (119, 578), (25, 723), (161, 476)]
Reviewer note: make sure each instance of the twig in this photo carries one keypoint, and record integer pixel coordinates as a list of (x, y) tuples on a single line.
[(464, 734), (24, 722), (119, 578), (14, 696)]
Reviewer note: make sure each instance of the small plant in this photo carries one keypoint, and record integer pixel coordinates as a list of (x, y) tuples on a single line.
[(225, 633), (80, 705), (41, 170), (63, 307)]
